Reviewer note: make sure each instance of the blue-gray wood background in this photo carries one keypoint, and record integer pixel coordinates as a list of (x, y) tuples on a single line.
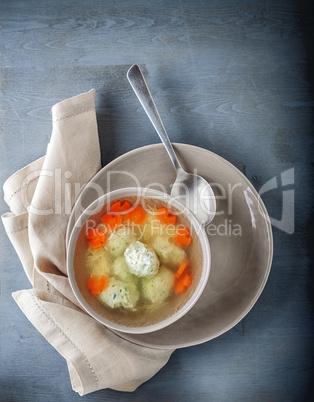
[(234, 77)]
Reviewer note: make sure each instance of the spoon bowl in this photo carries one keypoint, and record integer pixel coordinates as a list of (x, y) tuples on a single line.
[(191, 189), (195, 192)]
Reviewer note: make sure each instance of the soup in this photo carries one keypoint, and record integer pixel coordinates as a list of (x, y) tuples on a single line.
[(137, 263)]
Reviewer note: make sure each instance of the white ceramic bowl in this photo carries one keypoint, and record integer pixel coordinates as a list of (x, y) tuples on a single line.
[(200, 279)]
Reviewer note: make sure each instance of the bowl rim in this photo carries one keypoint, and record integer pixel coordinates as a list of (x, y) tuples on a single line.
[(141, 192)]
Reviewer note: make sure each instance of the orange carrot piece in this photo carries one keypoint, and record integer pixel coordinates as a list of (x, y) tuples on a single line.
[(187, 279), (182, 238), (162, 213), (91, 234), (179, 288), (111, 221), (171, 220), (185, 240), (96, 238), (182, 283), (183, 231), (182, 268), (165, 216), (137, 215), (95, 243), (119, 206), (96, 284)]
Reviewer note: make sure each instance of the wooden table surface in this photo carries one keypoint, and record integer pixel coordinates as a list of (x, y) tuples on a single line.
[(231, 76)]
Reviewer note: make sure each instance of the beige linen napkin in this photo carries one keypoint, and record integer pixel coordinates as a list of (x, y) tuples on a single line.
[(39, 196)]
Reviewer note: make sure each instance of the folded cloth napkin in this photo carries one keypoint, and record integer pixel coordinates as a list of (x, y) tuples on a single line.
[(39, 196)]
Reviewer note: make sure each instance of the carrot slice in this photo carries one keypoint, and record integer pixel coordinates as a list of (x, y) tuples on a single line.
[(182, 283), (187, 279), (183, 238), (171, 220), (96, 284), (119, 206), (91, 234), (111, 221), (183, 231), (96, 238), (95, 243), (137, 215), (182, 268), (165, 216), (179, 288)]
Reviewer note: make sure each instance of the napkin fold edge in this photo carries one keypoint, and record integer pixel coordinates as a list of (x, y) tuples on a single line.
[(70, 107), (38, 307)]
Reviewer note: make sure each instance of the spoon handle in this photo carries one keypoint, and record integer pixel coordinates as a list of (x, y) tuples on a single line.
[(141, 90)]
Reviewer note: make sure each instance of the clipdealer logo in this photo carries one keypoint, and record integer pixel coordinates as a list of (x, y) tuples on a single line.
[(287, 221), (66, 191)]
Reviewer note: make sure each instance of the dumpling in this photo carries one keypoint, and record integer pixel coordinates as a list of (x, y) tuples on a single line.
[(168, 253), (156, 289), (119, 241), (141, 260), (152, 228), (120, 294), (97, 262), (121, 269)]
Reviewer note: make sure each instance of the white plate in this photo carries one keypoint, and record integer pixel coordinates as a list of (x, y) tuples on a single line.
[(240, 237)]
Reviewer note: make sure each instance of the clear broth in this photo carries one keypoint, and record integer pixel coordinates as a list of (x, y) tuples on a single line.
[(146, 313)]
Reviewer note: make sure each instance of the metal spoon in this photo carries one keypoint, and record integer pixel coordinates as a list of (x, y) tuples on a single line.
[(191, 189)]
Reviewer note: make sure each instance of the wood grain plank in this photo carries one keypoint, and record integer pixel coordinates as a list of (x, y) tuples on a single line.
[(232, 76)]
